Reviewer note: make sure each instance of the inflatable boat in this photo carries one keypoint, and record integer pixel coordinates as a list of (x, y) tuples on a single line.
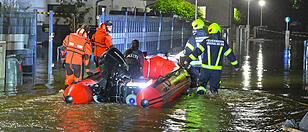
[(163, 81)]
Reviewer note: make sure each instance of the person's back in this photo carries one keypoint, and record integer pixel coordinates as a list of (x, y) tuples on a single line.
[(102, 40), (213, 49), (78, 50), (198, 36), (135, 60)]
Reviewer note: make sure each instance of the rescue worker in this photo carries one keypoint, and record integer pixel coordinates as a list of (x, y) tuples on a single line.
[(214, 48), (102, 41), (198, 36), (78, 50), (135, 60)]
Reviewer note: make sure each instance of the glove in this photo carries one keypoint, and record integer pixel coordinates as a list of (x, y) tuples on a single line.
[(186, 65), (181, 60)]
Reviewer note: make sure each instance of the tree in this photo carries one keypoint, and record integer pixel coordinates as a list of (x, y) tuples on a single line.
[(74, 12), (238, 16), (296, 4), (178, 7)]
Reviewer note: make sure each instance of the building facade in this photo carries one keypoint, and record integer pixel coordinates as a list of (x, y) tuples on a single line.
[(219, 11)]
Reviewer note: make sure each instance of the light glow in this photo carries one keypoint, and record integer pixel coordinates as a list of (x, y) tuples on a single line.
[(140, 84), (261, 3)]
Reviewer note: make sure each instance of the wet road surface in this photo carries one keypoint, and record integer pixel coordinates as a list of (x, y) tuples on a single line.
[(259, 97)]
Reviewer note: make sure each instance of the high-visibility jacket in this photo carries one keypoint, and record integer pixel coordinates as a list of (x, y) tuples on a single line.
[(192, 44), (102, 40), (214, 49), (77, 48)]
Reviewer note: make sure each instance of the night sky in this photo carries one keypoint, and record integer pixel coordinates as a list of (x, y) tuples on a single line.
[(274, 13)]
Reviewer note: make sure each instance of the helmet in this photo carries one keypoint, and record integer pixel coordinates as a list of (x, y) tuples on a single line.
[(214, 28), (108, 23), (82, 32), (197, 24)]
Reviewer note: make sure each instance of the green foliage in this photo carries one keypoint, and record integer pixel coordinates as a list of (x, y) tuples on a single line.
[(178, 7), (74, 10), (296, 4), (237, 15)]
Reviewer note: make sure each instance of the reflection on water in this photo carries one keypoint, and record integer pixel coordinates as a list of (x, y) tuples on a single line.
[(249, 100), (246, 73), (260, 67)]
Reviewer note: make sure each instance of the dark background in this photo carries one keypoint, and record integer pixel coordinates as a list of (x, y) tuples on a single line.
[(274, 13)]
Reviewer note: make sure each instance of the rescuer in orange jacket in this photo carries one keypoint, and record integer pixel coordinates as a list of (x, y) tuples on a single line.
[(78, 50), (102, 40)]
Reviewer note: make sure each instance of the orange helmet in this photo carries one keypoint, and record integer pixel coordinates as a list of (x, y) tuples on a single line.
[(82, 32)]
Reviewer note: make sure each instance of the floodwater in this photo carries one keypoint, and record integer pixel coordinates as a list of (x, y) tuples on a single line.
[(263, 94)]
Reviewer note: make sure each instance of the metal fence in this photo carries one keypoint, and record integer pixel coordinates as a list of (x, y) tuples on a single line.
[(18, 29), (156, 34)]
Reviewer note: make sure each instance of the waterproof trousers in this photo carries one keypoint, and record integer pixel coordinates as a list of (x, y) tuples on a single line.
[(212, 76), (74, 73), (195, 74)]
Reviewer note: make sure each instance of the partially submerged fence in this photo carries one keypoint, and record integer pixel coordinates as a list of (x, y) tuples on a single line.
[(156, 34), (267, 32)]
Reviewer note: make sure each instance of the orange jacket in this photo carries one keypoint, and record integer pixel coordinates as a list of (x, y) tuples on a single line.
[(102, 40), (77, 47)]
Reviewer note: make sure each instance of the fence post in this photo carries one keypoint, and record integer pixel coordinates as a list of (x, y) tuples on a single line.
[(144, 32), (125, 31), (183, 33), (159, 32), (228, 35), (103, 15), (50, 43), (305, 56), (172, 24), (286, 59), (33, 42), (241, 35)]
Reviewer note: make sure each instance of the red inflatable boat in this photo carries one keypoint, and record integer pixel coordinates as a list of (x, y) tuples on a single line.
[(164, 89), (163, 83)]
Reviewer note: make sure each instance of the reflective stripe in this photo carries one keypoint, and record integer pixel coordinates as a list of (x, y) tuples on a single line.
[(201, 47), (208, 54), (192, 57), (197, 62), (190, 46), (211, 67), (234, 62), (201, 88), (227, 52), (218, 57), (201, 38)]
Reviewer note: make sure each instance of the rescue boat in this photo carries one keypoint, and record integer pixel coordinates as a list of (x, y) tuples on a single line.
[(80, 93), (163, 82), (164, 90)]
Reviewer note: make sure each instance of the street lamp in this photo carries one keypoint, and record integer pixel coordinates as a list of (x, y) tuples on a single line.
[(261, 3), (196, 8), (248, 14), (96, 4), (248, 20)]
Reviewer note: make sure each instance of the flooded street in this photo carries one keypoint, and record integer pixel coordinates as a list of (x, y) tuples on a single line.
[(263, 94)]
